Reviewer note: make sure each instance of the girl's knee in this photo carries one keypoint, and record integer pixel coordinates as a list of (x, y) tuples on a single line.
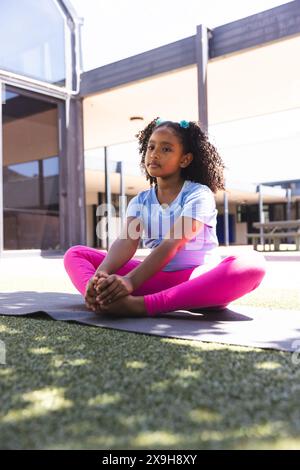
[(259, 262), (71, 252), (77, 252), (246, 271), (252, 258), (74, 250), (256, 268), (252, 264)]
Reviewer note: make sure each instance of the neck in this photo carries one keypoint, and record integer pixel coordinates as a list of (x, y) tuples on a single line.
[(170, 184)]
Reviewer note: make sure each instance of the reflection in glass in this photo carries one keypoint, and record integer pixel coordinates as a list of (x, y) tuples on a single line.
[(126, 152), (32, 40), (30, 169), (30, 173)]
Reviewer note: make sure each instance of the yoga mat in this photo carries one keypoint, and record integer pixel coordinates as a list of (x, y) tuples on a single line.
[(239, 325)]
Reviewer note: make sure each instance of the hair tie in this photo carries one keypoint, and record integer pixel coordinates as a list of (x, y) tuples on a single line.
[(184, 124), (159, 121)]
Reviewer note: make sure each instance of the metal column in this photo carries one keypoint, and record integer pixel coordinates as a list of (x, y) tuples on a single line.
[(289, 209), (202, 53), (72, 205), (107, 197), (226, 219), (2, 98), (289, 203), (261, 215), (122, 196)]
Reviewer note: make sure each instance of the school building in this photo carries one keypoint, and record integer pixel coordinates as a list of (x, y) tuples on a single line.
[(68, 137)]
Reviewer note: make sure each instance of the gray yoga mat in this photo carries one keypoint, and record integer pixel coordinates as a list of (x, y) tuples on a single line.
[(239, 325)]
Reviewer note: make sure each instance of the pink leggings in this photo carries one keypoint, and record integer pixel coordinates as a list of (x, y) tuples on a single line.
[(166, 291)]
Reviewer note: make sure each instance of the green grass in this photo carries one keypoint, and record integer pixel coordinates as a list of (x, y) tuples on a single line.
[(287, 299), (68, 386)]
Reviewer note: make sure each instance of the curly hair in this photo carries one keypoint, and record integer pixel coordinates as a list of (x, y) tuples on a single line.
[(207, 166)]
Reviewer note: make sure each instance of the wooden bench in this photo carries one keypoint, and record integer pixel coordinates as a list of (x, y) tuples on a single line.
[(254, 238), (273, 233)]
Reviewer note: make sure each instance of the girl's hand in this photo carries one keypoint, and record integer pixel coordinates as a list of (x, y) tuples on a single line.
[(92, 289), (113, 288)]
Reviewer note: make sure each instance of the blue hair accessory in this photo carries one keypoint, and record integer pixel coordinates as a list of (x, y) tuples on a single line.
[(183, 123)]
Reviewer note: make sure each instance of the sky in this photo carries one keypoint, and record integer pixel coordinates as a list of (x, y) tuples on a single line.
[(116, 29)]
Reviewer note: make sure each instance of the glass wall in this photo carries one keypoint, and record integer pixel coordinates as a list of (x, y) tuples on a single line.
[(30, 172), (32, 39), (126, 152), (94, 162)]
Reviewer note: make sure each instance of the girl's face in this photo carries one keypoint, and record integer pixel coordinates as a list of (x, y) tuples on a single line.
[(164, 156)]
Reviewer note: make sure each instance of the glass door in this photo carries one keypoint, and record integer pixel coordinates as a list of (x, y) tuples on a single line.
[(30, 171)]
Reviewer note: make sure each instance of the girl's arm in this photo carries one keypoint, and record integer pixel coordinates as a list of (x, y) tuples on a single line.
[(123, 248), (182, 231)]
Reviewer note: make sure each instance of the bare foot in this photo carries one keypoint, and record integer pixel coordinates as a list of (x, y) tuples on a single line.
[(127, 306), (92, 290), (98, 281)]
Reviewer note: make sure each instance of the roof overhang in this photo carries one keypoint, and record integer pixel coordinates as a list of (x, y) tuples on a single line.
[(69, 11), (268, 26)]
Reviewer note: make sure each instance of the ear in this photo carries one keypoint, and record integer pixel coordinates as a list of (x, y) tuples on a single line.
[(186, 160)]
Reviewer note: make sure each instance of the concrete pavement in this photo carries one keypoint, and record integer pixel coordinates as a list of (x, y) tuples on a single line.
[(37, 273)]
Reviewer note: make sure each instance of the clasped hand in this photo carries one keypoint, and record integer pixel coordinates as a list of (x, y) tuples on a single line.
[(113, 287)]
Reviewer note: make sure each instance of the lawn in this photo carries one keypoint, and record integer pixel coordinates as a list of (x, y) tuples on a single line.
[(68, 386)]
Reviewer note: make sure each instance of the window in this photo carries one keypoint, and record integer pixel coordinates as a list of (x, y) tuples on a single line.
[(30, 173), (32, 40), (241, 213)]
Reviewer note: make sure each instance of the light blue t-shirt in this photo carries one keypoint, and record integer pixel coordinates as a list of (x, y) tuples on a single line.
[(195, 200)]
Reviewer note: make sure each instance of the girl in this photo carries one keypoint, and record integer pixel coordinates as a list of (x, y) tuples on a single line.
[(177, 217)]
